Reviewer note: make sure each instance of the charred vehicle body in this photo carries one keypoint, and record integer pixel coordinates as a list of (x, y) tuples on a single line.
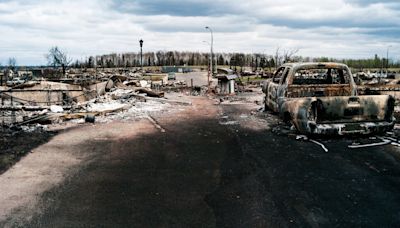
[(321, 98)]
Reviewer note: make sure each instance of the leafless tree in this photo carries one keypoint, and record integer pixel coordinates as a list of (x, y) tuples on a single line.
[(289, 54), (277, 57), (58, 58), (286, 56), (12, 63)]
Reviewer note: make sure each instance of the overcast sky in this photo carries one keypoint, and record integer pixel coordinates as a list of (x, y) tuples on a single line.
[(333, 28)]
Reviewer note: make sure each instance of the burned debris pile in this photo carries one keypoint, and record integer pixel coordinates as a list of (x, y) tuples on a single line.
[(84, 97)]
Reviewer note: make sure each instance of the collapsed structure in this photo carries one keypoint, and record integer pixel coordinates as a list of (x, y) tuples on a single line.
[(78, 96), (86, 93)]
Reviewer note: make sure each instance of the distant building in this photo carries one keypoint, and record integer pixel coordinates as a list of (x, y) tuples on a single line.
[(175, 69), (25, 74)]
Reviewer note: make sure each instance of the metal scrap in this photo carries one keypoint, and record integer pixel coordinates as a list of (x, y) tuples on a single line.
[(320, 144), (305, 138), (154, 122), (357, 146)]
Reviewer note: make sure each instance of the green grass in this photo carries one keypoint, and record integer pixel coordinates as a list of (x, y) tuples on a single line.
[(250, 78)]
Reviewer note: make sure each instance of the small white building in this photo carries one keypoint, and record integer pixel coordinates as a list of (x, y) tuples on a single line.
[(226, 84)]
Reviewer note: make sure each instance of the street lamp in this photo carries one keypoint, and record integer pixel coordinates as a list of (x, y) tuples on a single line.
[(211, 51), (141, 54), (387, 59), (209, 68)]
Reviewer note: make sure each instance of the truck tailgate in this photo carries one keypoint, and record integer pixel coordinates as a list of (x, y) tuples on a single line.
[(340, 109)]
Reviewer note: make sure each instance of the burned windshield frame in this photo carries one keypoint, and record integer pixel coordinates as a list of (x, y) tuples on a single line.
[(321, 76)]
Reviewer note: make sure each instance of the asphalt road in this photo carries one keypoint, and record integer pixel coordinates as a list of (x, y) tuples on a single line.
[(282, 182), (218, 166)]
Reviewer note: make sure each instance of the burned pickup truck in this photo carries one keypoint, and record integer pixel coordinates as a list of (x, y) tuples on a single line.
[(321, 98)]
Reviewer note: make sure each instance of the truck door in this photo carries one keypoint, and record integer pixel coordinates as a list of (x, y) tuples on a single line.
[(273, 89)]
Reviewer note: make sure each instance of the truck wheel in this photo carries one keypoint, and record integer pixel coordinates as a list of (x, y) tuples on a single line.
[(266, 107), (287, 118)]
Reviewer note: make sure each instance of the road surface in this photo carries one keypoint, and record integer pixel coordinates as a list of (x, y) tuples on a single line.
[(216, 165)]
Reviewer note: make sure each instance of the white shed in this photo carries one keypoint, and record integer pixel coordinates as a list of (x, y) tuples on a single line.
[(226, 83)]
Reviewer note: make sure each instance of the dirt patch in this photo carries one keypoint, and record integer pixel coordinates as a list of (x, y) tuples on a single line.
[(16, 144)]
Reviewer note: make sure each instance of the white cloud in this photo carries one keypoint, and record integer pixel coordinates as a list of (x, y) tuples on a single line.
[(336, 28)]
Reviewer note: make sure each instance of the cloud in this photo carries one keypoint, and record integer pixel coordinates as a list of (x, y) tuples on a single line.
[(370, 2), (171, 7), (166, 23), (337, 28)]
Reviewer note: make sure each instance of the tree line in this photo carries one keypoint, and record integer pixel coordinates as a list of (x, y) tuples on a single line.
[(236, 61), (176, 58), (232, 60)]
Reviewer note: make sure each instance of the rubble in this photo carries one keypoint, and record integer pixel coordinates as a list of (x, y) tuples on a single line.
[(84, 98), (56, 108), (101, 96)]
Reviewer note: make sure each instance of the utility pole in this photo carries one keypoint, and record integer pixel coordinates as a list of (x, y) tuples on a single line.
[(211, 51), (209, 67), (387, 59)]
